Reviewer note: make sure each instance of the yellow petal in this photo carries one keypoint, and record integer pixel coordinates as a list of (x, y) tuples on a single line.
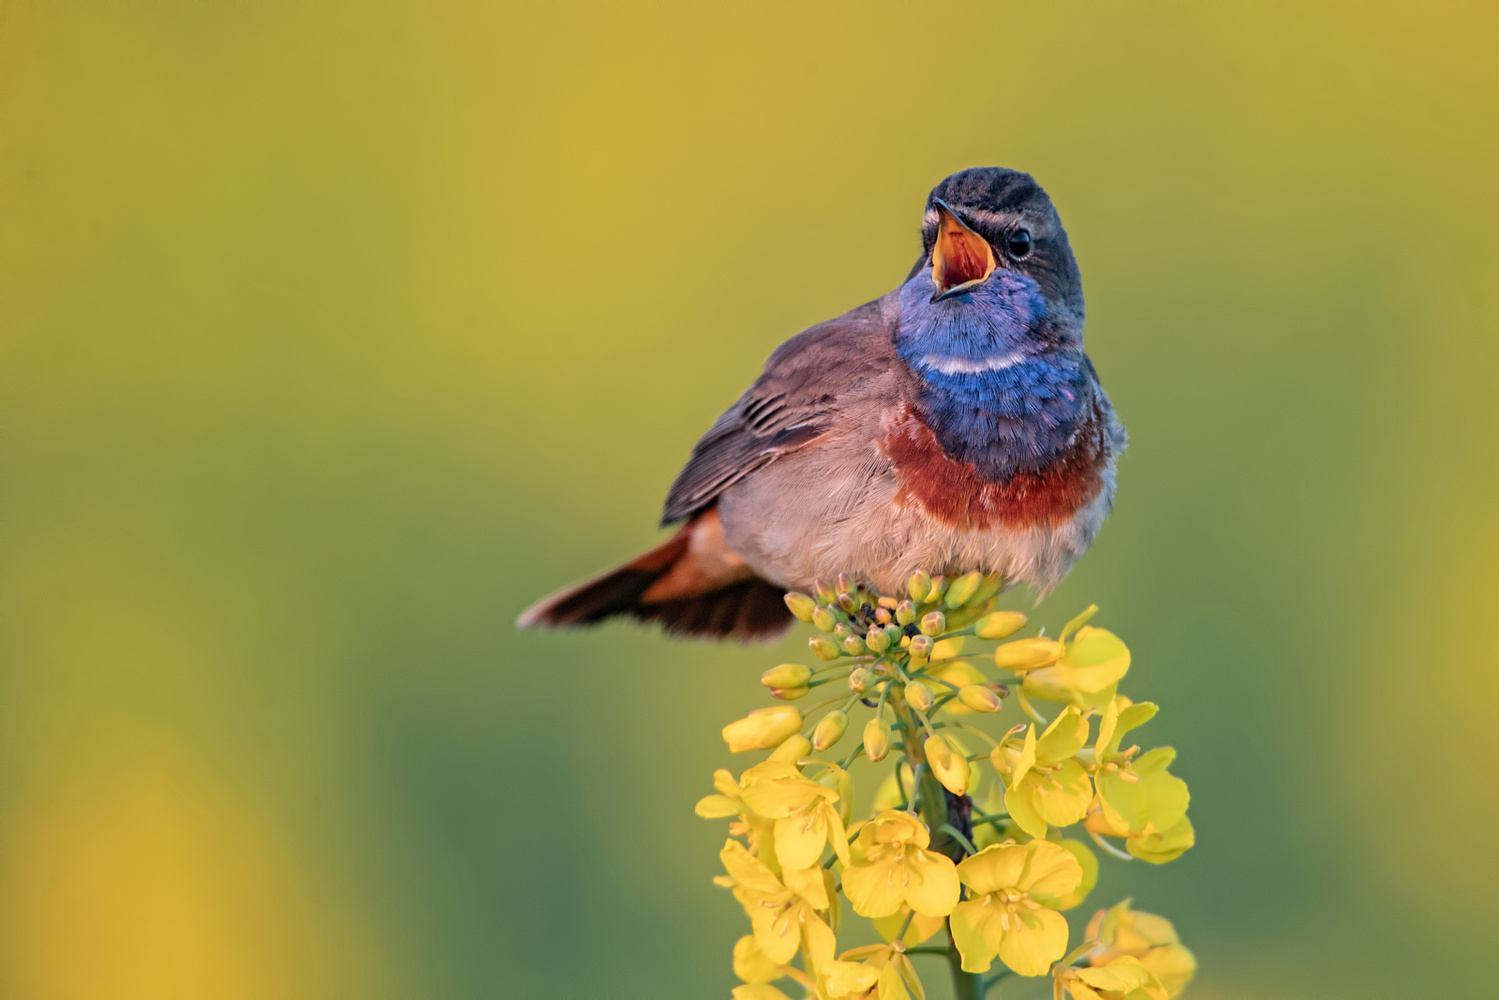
[(807, 883), (748, 871), (818, 941), (716, 807), (1027, 757), (994, 868), (1063, 796), (1046, 685), (1133, 716), (799, 841), (1051, 870), (843, 979), (1031, 944), (918, 929), (1020, 804), (875, 890), (836, 834), (1088, 861), (1067, 734), (1125, 797), (908, 977), (933, 889), (750, 963), (1095, 659), (891, 987), (1124, 977), (895, 827), (1166, 794), (777, 931), (1158, 848), (1172, 965), (725, 783), (976, 933)]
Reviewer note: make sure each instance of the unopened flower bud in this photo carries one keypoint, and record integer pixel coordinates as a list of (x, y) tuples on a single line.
[(876, 639), (999, 625), (787, 675), (921, 647), (918, 585), (961, 590), (842, 631), (1027, 654), (905, 613), (937, 589), (884, 615), (830, 730), (823, 618), (853, 645), (980, 698), (876, 739), (823, 593), (933, 624), (990, 586), (792, 749), (860, 679), (896, 634), (847, 603), (918, 696), (947, 763), (801, 605), (763, 728), (789, 694), (822, 647), (844, 583)]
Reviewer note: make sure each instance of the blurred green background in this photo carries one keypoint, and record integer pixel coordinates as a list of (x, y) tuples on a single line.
[(331, 335)]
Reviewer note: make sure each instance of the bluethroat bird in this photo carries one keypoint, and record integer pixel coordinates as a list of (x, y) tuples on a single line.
[(954, 424)]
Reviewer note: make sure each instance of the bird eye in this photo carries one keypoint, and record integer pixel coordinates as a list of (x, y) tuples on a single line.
[(1019, 244)]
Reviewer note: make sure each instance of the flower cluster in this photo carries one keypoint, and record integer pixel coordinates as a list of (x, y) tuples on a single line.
[(945, 846)]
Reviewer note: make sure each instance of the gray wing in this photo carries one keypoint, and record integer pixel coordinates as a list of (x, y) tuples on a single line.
[(793, 403)]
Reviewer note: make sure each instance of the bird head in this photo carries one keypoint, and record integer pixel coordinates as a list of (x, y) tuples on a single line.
[(993, 246)]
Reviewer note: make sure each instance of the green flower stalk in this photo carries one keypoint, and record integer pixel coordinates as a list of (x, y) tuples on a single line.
[(992, 878)]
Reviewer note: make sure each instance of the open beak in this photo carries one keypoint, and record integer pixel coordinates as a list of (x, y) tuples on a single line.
[(961, 258)]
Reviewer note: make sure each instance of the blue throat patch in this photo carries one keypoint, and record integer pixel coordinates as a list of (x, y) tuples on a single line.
[(992, 392)]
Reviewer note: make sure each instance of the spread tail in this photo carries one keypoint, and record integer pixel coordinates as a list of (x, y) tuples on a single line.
[(693, 584)]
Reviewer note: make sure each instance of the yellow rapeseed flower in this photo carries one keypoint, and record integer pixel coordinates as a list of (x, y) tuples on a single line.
[(757, 830), (805, 817), (890, 865), (873, 972), (1046, 783), (1086, 675), (1138, 794), (1121, 979), (1006, 913), (1152, 939), (782, 911)]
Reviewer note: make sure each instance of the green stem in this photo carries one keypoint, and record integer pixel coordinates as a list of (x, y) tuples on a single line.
[(934, 814)]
